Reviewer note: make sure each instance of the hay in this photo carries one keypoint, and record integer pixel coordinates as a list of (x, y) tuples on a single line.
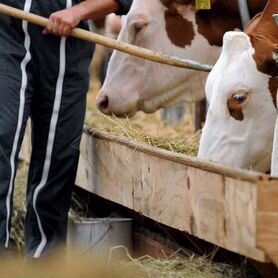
[(187, 267), (151, 132), (19, 211), (181, 265), (145, 267)]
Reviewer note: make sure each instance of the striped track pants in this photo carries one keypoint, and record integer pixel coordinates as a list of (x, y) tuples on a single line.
[(44, 78)]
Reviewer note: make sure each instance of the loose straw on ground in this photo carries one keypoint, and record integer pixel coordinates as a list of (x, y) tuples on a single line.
[(111, 43)]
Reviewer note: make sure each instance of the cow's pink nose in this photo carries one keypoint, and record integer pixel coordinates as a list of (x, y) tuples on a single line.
[(103, 102)]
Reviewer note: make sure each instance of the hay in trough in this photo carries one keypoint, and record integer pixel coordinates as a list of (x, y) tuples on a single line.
[(148, 129)]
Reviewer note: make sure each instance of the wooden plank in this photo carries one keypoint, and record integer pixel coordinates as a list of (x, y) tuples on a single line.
[(102, 169), (180, 158), (240, 219), (267, 219), (268, 196), (205, 204), (89, 135), (85, 174), (224, 212), (165, 204)]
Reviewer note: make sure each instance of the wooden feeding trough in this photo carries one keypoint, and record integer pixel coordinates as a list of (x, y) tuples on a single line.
[(233, 209)]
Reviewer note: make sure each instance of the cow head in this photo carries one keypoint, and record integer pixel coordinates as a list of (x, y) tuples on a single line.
[(241, 91), (134, 84)]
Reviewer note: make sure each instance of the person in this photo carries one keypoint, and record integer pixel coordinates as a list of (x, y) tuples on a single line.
[(44, 76)]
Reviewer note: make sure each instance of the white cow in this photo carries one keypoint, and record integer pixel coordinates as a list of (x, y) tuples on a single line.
[(176, 28), (241, 91)]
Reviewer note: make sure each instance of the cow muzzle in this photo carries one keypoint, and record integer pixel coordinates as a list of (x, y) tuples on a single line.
[(115, 106)]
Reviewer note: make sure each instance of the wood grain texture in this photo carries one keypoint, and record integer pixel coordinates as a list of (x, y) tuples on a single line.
[(241, 206), (267, 219), (219, 209), (236, 210), (181, 158)]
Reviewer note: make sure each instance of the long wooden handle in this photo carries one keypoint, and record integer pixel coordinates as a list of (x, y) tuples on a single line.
[(111, 43)]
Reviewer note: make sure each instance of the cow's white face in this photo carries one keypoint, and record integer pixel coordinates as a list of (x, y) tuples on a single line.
[(134, 84), (238, 131)]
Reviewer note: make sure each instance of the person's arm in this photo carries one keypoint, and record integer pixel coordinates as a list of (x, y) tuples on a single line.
[(62, 22)]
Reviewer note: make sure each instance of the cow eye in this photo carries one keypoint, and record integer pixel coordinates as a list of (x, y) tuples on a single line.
[(236, 103), (239, 98)]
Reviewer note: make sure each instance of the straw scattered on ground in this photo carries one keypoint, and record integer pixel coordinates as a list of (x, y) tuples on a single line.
[(145, 267), (188, 267)]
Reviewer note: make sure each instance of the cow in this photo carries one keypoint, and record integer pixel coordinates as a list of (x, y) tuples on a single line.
[(175, 27), (241, 91)]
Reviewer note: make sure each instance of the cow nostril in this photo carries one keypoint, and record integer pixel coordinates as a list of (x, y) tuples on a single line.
[(103, 103)]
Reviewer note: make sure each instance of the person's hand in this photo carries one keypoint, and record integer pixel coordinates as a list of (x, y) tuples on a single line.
[(62, 23)]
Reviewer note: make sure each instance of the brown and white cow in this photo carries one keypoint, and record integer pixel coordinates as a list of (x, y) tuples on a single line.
[(176, 28), (241, 91)]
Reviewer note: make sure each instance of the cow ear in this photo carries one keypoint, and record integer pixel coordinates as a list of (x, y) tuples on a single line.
[(234, 43)]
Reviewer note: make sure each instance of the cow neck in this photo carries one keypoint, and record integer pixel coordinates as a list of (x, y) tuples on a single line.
[(180, 31), (264, 38), (212, 24), (224, 16)]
